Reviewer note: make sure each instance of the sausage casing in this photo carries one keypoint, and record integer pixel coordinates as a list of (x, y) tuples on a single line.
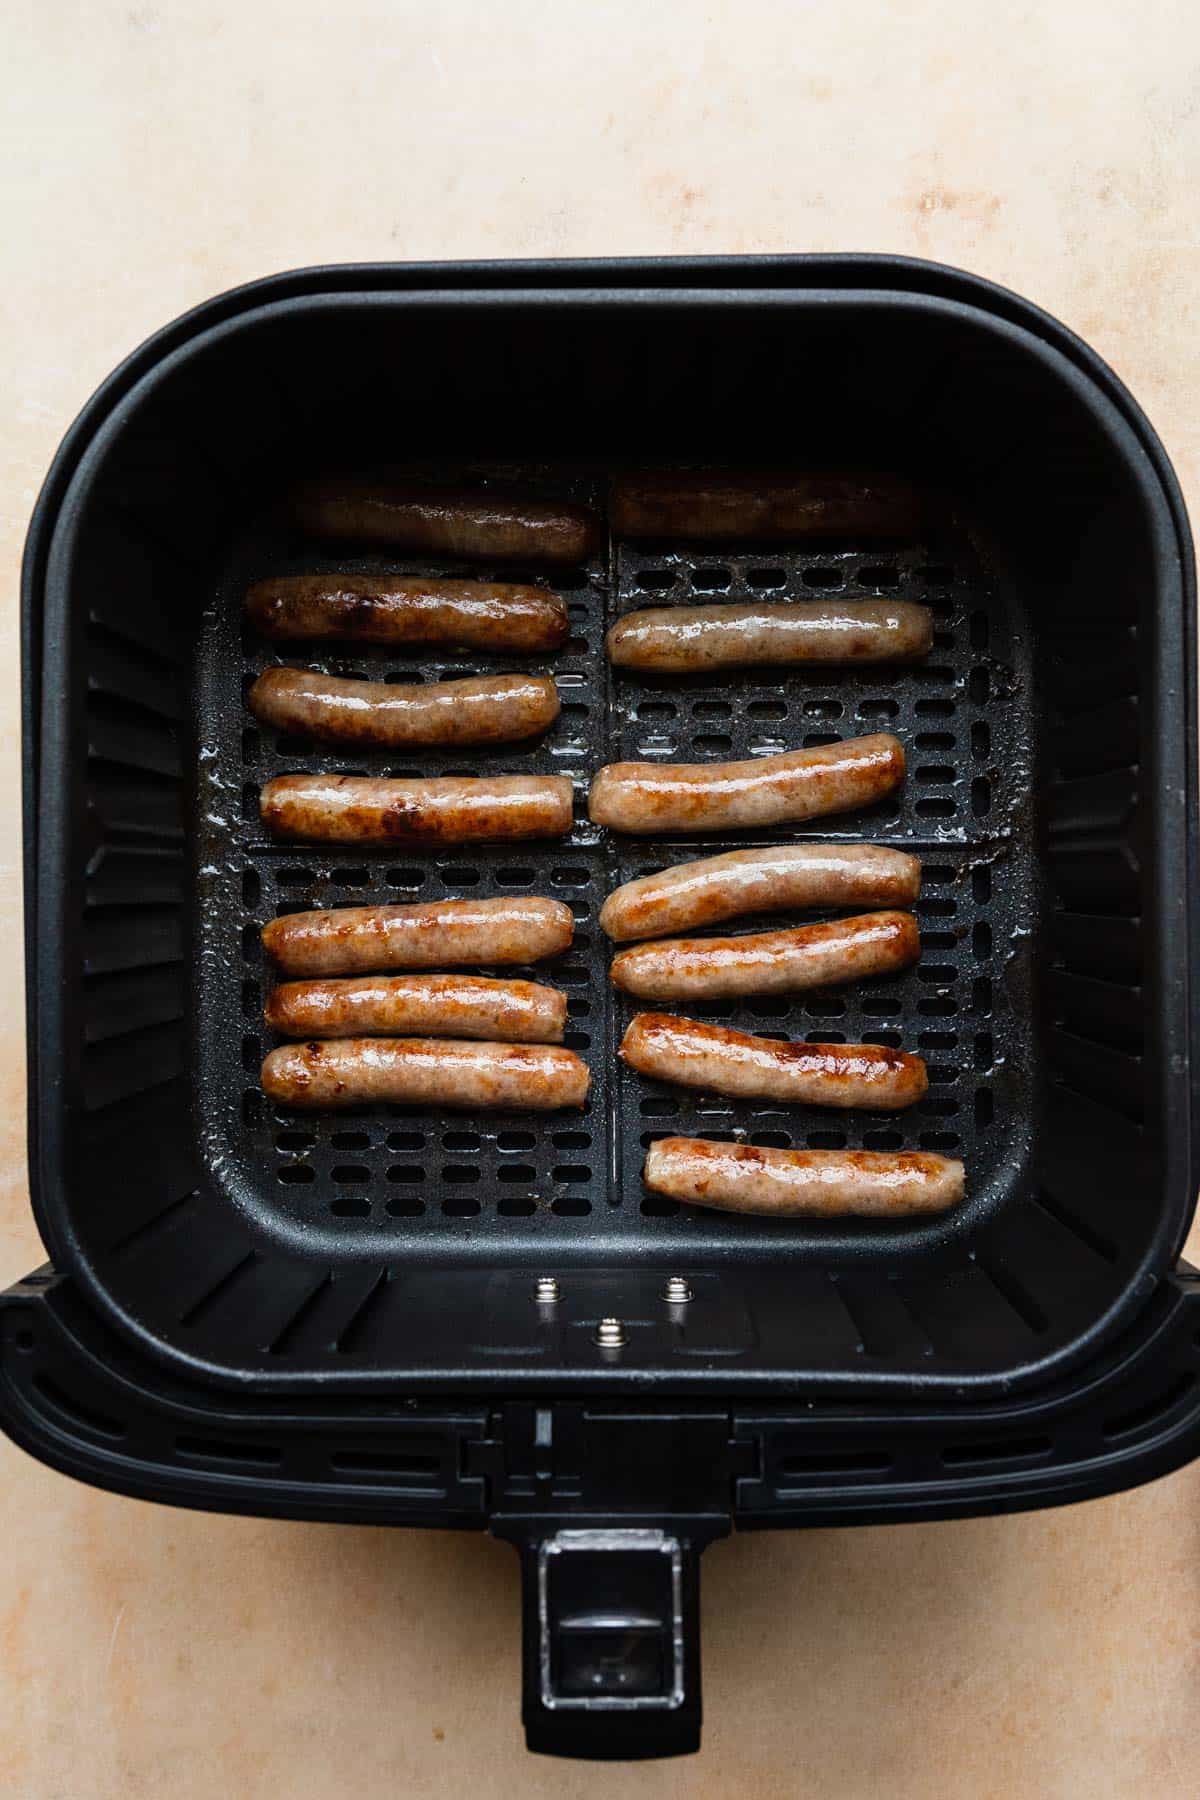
[(646, 797), (694, 640), (362, 1071), (457, 1006), (722, 1061), (475, 525), (444, 809), (783, 877), (769, 962), (720, 503), (502, 617), (817, 1184), (485, 709), (436, 934)]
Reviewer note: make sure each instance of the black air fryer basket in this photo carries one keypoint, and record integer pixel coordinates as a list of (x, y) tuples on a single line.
[(337, 1317)]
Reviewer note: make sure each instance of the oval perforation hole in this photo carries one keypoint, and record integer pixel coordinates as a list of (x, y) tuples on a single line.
[(710, 580), (516, 1206), (350, 1206)]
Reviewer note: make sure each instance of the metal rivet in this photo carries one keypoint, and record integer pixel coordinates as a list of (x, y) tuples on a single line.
[(546, 1290), (677, 1291), (610, 1334)]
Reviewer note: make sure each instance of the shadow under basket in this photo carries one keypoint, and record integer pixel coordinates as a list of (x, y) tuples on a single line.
[(1051, 796)]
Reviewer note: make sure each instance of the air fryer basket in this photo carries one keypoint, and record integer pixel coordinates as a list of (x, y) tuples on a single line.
[(1051, 797)]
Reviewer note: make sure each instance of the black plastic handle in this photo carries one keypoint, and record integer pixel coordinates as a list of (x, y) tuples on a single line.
[(611, 1642)]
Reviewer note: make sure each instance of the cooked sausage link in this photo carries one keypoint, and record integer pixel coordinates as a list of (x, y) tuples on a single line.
[(446, 809), (457, 1006), (696, 640), (720, 503), (769, 962), (753, 881), (476, 525), (722, 1061), (815, 1184), (435, 934), (486, 709), (501, 617), (361, 1071), (768, 790)]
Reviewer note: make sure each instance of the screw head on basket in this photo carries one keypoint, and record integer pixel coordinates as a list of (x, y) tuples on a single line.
[(546, 1290), (677, 1291), (610, 1334)]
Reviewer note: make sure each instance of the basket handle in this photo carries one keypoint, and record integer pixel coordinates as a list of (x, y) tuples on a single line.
[(611, 1641)]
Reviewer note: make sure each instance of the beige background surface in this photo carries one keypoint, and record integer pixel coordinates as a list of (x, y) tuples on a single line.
[(156, 153)]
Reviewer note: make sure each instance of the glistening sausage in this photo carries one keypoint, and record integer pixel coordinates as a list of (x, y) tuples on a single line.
[(444, 809), (501, 617), (457, 1006), (814, 1184), (477, 525), (752, 881), (645, 797), (486, 709), (436, 934), (696, 640), (722, 1061), (720, 503), (769, 962), (424, 1072)]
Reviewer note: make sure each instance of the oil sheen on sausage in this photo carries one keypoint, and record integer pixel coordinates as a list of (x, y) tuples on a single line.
[(782, 878), (436, 934), (697, 640), (443, 809), (721, 1061), (769, 962), (768, 505), (334, 1072), (486, 709), (646, 797), (458, 1006), (505, 618), (475, 525), (812, 1184)]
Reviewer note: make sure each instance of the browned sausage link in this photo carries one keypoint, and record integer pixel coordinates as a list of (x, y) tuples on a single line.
[(693, 640), (768, 790), (722, 1061), (769, 962), (501, 617), (424, 1072), (752, 881), (487, 709), (814, 1184), (478, 526), (716, 503), (446, 809), (437, 934), (457, 1006)]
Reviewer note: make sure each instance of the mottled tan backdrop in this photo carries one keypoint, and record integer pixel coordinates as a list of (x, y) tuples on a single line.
[(155, 153)]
